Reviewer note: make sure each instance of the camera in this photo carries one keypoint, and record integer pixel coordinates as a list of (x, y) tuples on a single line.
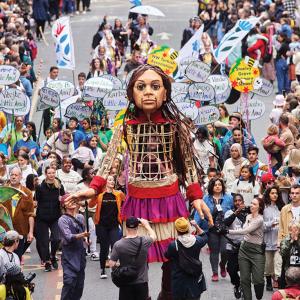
[(246, 210), (28, 281)]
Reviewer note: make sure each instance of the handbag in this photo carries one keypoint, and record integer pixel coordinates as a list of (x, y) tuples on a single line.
[(187, 263), (123, 275)]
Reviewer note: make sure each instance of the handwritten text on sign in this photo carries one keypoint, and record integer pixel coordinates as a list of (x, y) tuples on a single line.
[(189, 109), (65, 89), (201, 91), (207, 114), (49, 97), (8, 75), (256, 109), (79, 111), (12, 99), (265, 89), (115, 100), (179, 88), (117, 82), (20, 111), (197, 71), (221, 86), (97, 87)]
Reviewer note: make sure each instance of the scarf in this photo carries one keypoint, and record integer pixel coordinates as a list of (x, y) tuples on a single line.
[(187, 240), (237, 161)]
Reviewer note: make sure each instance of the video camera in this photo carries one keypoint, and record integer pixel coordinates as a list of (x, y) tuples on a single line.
[(28, 281)]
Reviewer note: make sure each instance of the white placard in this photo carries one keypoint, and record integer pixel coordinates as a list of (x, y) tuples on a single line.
[(207, 114), (79, 111), (97, 87), (49, 97), (115, 100), (13, 99), (265, 89), (8, 75), (189, 109), (201, 91), (65, 89), (179, 88), (197, 71), (117, 82), (256, 109), (221, 86), (20, 111)]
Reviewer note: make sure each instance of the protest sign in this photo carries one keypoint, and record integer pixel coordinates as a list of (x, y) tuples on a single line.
[(8, 75), (65, 89), (221, 86), (117, 82), (179, 88), (242, 75), (201, 91), (188, 108), (13, 99), (20, 111), (254, 108), (41, 106), (97, 87), (115, 100), (180, 98), (265, 89), (197, 71), (207, 114), (49, 96), (79, 111), (163, 57)]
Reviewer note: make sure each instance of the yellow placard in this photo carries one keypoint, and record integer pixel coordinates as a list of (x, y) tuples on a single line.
[(163, 57), (243, 74)]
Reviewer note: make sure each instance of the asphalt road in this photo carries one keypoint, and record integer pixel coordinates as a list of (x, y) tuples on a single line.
[(48, 285)]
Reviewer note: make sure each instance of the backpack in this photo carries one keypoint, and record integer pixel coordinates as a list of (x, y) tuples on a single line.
[(124, 275), (285, 296), (188, 264)]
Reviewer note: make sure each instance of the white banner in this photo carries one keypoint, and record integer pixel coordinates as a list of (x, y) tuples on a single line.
[(64, 47), (232, 37)]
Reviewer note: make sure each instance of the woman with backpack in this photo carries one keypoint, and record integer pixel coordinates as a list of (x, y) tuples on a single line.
[(187, 279)]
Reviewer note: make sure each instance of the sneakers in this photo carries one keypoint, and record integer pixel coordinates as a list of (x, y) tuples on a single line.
[(54, 264), (95, 256), (215, 277), (48, 267), (237, 292), (103, 274), (223, 271)]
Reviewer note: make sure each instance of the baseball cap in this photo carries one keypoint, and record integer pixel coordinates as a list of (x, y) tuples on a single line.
[(12, 235), (182, 225), (132, 222)]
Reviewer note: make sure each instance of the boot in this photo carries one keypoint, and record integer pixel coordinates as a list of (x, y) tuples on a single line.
[(259, 290), (269, 286)]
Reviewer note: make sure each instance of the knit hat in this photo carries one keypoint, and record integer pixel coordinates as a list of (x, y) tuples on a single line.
[(267, 177), (182, 225), (279, 100)]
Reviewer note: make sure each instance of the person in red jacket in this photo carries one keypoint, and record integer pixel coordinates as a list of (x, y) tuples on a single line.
[(292, 277), (257, 45)]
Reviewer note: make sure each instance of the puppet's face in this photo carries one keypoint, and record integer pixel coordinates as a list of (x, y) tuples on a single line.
[(149, 92)]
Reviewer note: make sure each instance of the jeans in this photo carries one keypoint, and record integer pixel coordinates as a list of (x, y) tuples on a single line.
[(137, 291), (217, 246), (93, 237), (107, 237), (43, 239), (220, 32), (73, 285), (282, 75)]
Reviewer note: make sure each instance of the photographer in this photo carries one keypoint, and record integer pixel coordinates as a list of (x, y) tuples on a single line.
[(16, 286), (219, 203), (10, 244), (235, 219), (252, 251)]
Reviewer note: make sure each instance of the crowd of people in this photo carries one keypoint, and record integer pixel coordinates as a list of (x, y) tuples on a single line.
[(249, 217)]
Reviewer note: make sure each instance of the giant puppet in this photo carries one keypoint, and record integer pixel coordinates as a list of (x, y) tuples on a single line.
[(160, 161)]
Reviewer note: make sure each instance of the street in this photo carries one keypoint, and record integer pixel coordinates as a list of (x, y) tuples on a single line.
[(169, 28)]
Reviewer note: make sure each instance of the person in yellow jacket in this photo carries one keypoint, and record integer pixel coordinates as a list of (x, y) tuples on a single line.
[(107, 219)]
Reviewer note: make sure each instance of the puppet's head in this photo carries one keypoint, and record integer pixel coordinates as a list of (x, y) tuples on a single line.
[(149, 89)]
